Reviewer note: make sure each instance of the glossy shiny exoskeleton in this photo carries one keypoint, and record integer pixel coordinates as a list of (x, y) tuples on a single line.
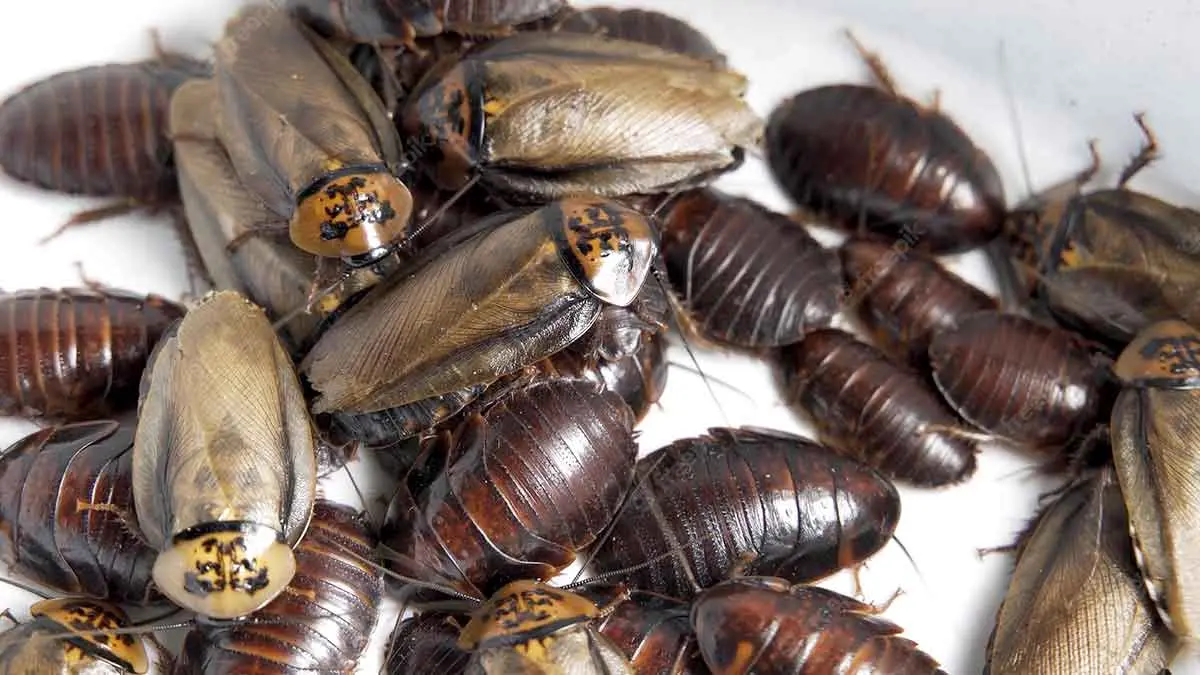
[(396, 22), (750, 277), (765, 626), (528, 482), (66, 512), (709, 507), (75, 354), (906, 297), (875, 410), (1021, 380), (426, 644), (1076, 602), (652, 630), (642, 25), (871, 161), (638, 378), (1155, 437), (224, 460), (321, 623), (38, 647)]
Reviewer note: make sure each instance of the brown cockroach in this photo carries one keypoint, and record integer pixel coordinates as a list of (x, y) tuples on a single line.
[(426, 644), (876, 410), (529, 627), (524, 287), (869, 160), (321, 623), (100, 131), (224, 460), (642, 25), (1076, 602), (38, 647), (905, 297), (1154, 437), (400, 22), (45, 535), (76, 354), (709, 507), (749, 276), (539, 116), (767, 626), (1018, 379), (652, 630), (639, 378), (529, 480)]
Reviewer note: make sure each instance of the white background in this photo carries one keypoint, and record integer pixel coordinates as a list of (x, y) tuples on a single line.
[(1078, 70)]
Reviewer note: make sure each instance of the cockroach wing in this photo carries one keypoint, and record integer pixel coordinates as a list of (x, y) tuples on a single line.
[(223, 432), (492, 305), (564, 49), (578, 650)]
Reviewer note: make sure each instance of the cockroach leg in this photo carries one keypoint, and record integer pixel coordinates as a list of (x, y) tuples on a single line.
[(1145, 156), (879, 70), (113, 210)]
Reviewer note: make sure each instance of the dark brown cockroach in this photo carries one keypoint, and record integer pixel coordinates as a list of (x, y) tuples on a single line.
[(709, 507), (749, 276), (38, 648), (76, 353), (224, 460), (766, 626), (1110, 262), (1021, 380), (399, 22), (653, 631), (906, 297), (642, 25), (538, 116), (869, 160), (98, 131), (529, 481), (426, 644), (639, 378), (66, 496), (321, 623), (1154, 438), (876, 410), (526, 286), (529, 627), (1076, 602)]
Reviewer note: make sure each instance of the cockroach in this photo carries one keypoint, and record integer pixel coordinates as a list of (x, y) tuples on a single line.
[(871, 161), (876, 410), (709, 507), (308, 137), (100, 131), (529, 627), (767, 626), (529, 481), (643, 25), (62, 493), (1076, 602), (1018, 379), (426, 644), (639, 378), (75, 354), (539, 116), (510, 295), (399, 22), (36, 647), (224, 460), (1110, 262), (1154, 433), (750, 277), (321, 623), (653, 631), (906, 297)]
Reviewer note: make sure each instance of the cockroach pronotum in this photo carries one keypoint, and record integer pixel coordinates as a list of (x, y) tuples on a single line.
[(540, 116), (906, 297), (505, 298), (75, 354), (766, 626), (400, 22), (529, 481), (426, 644), (224, 460), (321, 623), (1021, 380), (875, 410), (642, 25), (37, 647), (66, 494), (653, 631), (100, 131), (873, 161), (706, 508), (529, 627), (1076, 602), (1154, 438), (751, 277)]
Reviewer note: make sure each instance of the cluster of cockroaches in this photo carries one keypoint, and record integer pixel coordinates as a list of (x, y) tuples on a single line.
[(471, 223)]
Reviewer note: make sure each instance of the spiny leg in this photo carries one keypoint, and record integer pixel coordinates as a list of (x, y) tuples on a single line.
[(879, 70), (1146, 155)]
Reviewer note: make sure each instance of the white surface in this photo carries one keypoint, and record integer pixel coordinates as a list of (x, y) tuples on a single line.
[(1078, 70)]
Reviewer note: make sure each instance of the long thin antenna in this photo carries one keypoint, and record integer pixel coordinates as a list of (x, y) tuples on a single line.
[(1015, 117)]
